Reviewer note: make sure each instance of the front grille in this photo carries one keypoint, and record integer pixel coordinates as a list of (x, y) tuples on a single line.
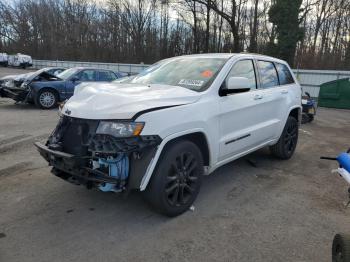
[(78, 137), (74, 135)]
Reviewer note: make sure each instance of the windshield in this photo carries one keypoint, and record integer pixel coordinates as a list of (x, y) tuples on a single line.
[(67, 73), (195, 73)]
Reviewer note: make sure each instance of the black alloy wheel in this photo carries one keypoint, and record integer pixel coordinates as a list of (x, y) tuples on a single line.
[(176, 181), (182, 179), (291, 137), (285, 147)]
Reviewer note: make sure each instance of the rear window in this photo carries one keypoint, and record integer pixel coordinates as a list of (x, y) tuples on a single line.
[(284, 74), (268, 74)]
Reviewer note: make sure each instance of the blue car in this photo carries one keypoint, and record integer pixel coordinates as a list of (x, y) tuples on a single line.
[(47, 94)]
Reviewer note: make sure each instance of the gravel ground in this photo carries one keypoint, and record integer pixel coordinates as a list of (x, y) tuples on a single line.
[(276, 211)]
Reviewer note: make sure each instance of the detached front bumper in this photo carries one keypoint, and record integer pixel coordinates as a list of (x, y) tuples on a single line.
[(68, 166), (17, 94), (79, 155)]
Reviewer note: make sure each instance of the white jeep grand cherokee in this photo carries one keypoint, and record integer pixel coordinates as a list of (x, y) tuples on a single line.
[(183, 117)]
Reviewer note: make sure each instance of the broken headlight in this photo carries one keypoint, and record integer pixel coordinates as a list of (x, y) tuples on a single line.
[(9, 83), (120, 129), (25, 85)]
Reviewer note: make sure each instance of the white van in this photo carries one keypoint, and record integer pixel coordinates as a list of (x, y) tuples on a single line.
[(20, 60), (3, 59)]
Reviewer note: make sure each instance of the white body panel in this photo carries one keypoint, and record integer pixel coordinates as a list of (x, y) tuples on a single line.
[(3, 57), (123, 101), (233, 125)]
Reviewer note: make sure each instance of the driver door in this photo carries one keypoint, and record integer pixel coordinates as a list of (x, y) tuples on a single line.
[(239, 116)]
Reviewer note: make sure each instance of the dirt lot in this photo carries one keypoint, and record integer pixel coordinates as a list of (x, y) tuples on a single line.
[(277, 211)]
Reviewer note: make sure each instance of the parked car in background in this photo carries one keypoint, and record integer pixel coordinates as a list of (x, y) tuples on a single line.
[(47, 94), (16, 86), (31, 75), (3, 59), (162, 130), (20, 60)]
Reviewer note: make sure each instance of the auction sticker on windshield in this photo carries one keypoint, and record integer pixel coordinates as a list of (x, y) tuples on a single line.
[(190, 82)]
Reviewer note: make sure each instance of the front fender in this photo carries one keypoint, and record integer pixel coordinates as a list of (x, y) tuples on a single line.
[(299, 107), (152, 165)]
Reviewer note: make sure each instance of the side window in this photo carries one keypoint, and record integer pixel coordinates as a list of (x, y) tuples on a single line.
[(87, 75), (106, 76), (55, 72), (284, 74), (268, 74), (244, 68)]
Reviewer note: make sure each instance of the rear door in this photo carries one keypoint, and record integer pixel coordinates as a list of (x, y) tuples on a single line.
[(273, 103), (288, 89)]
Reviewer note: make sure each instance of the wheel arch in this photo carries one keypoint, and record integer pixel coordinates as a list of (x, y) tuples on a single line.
[(39, 90), (296, 113), (198, 137)]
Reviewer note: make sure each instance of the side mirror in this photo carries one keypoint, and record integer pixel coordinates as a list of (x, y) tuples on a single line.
[(236, 85)]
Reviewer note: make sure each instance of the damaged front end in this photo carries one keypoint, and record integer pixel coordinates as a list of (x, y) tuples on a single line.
[(109, 155), (19, 88), (16, 90)]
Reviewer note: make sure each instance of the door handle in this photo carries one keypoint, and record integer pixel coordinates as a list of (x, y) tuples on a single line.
[(257, 97), (284, 91)]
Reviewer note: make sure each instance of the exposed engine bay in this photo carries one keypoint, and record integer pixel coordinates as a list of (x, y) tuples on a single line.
[(81, 156)]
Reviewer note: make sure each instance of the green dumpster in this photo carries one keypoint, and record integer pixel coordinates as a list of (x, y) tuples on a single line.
[(335, 94)]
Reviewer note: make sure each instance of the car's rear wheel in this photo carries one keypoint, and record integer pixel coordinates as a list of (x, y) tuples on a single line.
[(46, 99), (176, 181), (287, 143)]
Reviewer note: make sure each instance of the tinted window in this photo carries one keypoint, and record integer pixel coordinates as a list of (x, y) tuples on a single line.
[(68, 73), (87, 75), (268, 74), (244, 68), (284, 74), (106, 76), (55, 72)]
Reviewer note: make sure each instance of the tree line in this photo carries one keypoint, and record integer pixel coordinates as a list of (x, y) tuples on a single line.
[(312, 34)]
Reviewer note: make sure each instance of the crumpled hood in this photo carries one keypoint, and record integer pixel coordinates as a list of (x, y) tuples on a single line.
[(123, 101), (16, 77)]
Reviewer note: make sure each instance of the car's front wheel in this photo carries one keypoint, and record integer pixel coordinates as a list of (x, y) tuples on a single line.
[(287, 143), (176, 181), (46, 99)]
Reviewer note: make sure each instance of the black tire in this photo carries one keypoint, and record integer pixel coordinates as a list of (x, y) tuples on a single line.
[(287, 143), (305, 118), (177, 179), (341, 248), (40, 100), (311, 118)]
